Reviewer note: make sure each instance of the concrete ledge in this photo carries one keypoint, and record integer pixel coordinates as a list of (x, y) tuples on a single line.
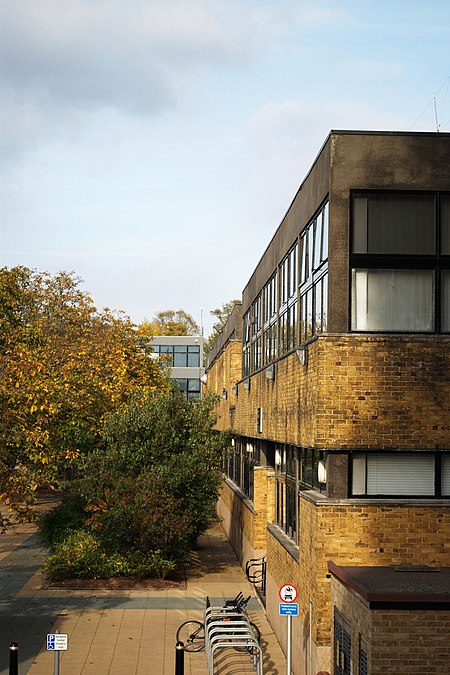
[(282, 538)]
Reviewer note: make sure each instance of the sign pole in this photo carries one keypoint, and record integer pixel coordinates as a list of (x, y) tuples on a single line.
[(289, 608), (288, 644), (56, 660)]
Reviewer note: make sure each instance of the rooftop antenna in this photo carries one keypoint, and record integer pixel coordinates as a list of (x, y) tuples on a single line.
[(201, 320), (433, 101), (436, 113)]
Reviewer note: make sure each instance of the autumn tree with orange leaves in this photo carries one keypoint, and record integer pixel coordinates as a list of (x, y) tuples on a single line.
[(64, 366)]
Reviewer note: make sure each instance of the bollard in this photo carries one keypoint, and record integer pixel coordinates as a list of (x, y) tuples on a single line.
[(13, 658), (179, 658)]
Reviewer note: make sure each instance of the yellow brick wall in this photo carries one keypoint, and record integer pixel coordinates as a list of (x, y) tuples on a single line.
[(400, 642), (410, 643), (355, 391), (349, 534), (224, 373)]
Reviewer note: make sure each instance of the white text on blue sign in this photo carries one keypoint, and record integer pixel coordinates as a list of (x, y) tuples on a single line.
[(289, 608)]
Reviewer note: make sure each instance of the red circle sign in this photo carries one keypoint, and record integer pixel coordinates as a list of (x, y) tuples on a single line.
[(288, 593)]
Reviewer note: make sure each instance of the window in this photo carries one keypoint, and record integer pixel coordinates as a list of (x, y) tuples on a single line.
[(314, 277), (400, 265), (179, 356), (363, 662), (342, 646), (239, 462), (189, 386), (402, 224), (420, 474), (270, 321), (287, 322), (392, 300), (287, 490), (296, 469)]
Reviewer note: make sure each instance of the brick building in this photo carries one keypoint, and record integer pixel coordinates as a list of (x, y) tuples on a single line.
[(334, 375)]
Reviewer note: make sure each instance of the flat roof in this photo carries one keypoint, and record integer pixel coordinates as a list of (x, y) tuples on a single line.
[(396, 586)]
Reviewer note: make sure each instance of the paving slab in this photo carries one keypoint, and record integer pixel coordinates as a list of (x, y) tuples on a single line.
[(130, 632)]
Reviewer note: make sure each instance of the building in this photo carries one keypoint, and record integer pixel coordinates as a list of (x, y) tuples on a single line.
[(334, 376), (183, 354)]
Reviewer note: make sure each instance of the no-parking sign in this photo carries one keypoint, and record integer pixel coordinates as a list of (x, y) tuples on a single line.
[(288, 593)]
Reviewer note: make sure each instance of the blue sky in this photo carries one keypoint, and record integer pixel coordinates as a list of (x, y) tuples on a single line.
[(153, 146)]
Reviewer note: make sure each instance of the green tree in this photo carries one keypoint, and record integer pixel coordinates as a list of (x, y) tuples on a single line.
[(63, 367), (171, 322), (222, 315), (154, 484)]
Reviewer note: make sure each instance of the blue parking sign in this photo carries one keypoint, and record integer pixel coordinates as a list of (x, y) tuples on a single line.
[(289, 609), (51, 642)]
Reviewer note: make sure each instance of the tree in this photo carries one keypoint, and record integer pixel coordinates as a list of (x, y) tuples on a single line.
[(152, 487), (222, 315), (171, 322), (64, 366)]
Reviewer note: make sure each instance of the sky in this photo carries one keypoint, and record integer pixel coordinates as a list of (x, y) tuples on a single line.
[(153, 147)]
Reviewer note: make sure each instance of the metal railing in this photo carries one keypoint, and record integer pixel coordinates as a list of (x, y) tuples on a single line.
[(255, 570), (228, 626)]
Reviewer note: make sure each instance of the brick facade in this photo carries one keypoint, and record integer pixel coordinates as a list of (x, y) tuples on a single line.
[(398, 641), (337, 397)]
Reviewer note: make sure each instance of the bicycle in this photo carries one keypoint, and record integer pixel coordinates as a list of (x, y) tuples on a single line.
[(192, 633), (232, 609)]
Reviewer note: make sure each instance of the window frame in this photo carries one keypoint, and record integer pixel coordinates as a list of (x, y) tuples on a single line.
[(438, 475), (438, 262)]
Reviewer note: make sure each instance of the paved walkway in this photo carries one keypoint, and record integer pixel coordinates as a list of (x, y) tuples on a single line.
[(119, 632)]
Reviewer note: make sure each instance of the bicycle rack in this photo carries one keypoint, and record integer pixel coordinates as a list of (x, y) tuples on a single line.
[(255, 570), (225, 628)]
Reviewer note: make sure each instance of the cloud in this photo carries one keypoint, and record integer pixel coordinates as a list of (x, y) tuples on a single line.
[(64, 61)]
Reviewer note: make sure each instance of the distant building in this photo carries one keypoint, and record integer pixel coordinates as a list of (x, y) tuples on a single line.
[(334, 376), (184, 356)]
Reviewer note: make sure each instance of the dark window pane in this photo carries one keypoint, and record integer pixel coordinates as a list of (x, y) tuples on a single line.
[(325, 303), (194, 349), (180, 348), (193, 385), (193, 360), (445, 224), (179, 360), (445, 310), (182, 383), (394, 224), (318, 241)]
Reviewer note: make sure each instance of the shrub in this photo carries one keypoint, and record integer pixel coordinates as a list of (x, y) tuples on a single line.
[(67, 517), (80, 556), (145, 495)]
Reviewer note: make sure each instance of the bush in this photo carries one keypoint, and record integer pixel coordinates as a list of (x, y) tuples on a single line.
[(80, 556), (67, 517), (145, 495)]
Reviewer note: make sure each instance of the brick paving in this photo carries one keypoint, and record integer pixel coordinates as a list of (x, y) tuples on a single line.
[(119, 632)]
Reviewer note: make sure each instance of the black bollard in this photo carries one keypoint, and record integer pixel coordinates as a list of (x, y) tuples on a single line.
[(179, 658), (13, 658)]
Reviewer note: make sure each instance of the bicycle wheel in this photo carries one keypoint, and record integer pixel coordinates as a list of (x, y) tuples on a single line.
[(192, 635), (256, 633)]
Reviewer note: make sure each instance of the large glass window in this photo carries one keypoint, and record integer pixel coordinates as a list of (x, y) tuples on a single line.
[(394, 473), (287, 322), (179, 356), (445, 224), (314, 277), (393, 300), (239, 462), (190, 387), (399, 266), (394, 224), (446, 301)]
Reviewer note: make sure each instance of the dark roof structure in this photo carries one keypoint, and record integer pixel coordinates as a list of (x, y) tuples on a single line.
[(397, 587)]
